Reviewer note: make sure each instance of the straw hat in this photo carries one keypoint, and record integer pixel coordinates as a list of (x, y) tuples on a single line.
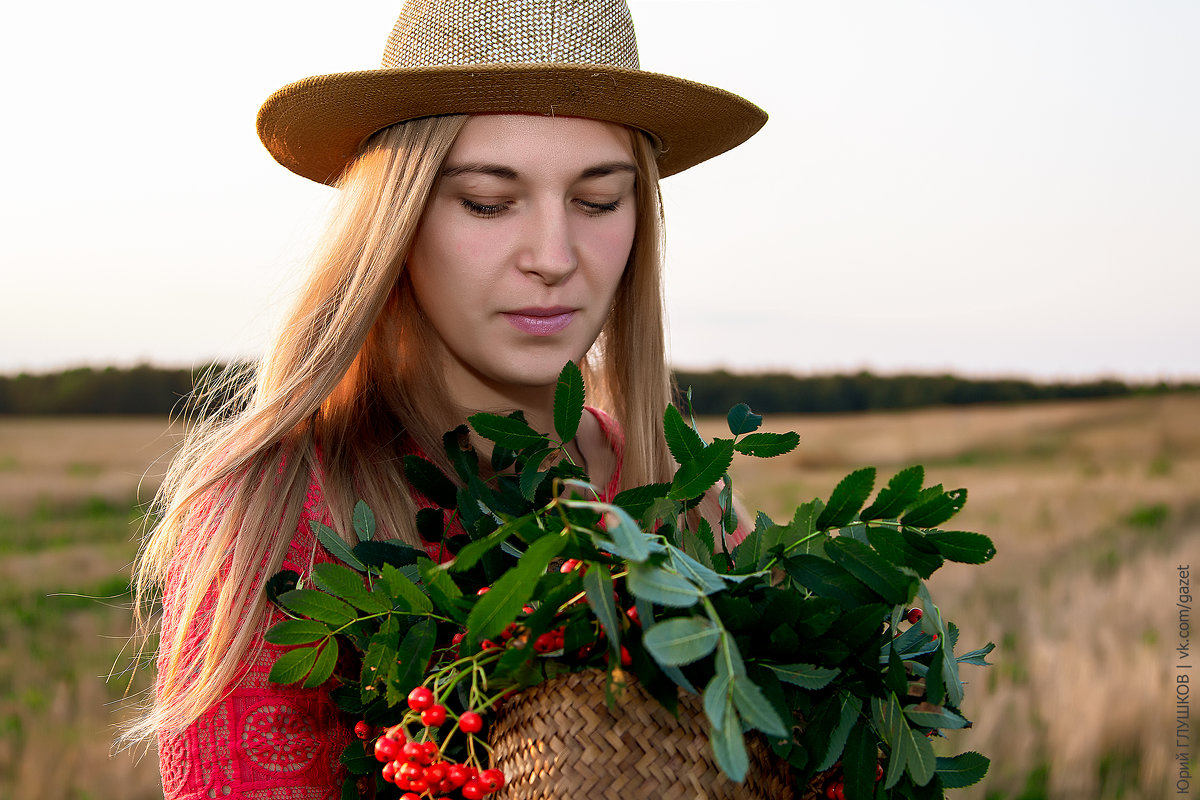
[(573, 58)]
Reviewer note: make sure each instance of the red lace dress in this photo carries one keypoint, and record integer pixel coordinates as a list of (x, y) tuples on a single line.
[(264, 741)]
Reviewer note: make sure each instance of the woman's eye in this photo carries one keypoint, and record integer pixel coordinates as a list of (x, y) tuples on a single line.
[(484, 210), (597, 209)]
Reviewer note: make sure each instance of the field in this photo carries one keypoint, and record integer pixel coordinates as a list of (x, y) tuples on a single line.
[(1092, 506)]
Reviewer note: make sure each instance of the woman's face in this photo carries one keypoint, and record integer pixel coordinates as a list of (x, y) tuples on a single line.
[(521, 248)]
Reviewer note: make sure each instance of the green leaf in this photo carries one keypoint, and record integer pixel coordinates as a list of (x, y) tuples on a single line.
[(364, 522), (746, 554), (935, 678), (330, 540), (754, 709), (500, 606), (742, 420), (699, 474), (598, 587), (767, 445), (440, 588), (806, 676), (900, 492), (941, 717), (964, 769), (628, 539), (324, 665), (896, 679), (699, 573), (319, 605), (859, 763), (828, 580), (297, 631), (898, 548), (357, 761), (872, 569), (717, 699), (913, 749), (414, 654), (406, 594), (695, 548), (293, 665), (280, 582), (531, 474), (729, 747), (682, 440), (660, 586), (427, 479), (510, 432), (963, 546), (847, 498), (977, 657), (638, 500), (681, 640), (568, 402), (935, 510), (379, 659), (348, 585), (849, 707), (376, 554), (460, 452)]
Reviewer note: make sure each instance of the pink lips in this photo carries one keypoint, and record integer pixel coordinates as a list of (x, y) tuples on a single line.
[(540, 321)]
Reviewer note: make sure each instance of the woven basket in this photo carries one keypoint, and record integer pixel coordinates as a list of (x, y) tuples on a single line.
[(560, 741)]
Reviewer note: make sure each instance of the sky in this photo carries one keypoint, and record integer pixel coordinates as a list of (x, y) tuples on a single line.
[(976, 187)]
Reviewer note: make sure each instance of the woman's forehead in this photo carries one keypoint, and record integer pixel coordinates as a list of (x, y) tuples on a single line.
[(524, 143)]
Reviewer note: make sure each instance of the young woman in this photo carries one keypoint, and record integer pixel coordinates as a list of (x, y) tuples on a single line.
[(499, 215)]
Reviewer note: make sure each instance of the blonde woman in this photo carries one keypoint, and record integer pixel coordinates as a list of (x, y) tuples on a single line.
[(499, 215)]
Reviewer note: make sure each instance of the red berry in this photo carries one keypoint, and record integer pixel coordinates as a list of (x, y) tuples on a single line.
[(435, 774), (914, 615), (457, 638), (457, 775), (933, 637), (839, 792), (470, 722), (492, 780), (431, 751), (472, 790), (626, 659), (410, 796), (362, 730), (878, 772), (569, 565), (546, 643), (632, 613), (488, 644), (434, 716), (389, 771), (411, 751), (420, 698), (484, 590), (421, 785), (410, 771), (386, 749)]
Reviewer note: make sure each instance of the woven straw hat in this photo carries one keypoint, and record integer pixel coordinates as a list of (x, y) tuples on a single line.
[(573, 58)]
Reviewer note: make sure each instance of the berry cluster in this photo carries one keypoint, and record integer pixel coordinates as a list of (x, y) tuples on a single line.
[(419, 768)]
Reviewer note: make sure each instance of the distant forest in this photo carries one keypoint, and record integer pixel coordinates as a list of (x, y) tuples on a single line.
[(152, 390)]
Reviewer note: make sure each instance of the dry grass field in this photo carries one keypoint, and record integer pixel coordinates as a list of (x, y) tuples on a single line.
[(1091, 504)]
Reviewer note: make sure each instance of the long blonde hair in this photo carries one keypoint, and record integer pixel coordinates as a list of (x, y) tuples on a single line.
[(349, 373)]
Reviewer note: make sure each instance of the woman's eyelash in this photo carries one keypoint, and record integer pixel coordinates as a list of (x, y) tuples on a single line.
[(481, 209), (600, 208), (487, 211)]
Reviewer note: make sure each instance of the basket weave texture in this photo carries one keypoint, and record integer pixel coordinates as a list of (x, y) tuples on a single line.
[(559, 740)]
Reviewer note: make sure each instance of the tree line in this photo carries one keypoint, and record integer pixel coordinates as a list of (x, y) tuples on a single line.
[(146, 389)]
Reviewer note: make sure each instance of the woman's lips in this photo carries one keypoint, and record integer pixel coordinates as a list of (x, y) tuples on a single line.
[(540, 321)]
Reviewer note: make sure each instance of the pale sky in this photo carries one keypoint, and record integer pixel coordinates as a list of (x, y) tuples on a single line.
[(989, 188)]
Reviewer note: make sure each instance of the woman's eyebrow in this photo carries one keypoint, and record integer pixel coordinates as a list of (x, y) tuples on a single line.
[(510, 174)]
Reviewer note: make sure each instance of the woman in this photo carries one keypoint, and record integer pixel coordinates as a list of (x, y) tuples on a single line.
[(499, 215)]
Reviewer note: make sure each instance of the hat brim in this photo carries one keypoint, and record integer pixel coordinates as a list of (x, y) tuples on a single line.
[(317, 126)]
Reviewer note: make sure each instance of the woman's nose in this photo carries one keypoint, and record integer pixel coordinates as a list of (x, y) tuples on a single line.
[(548, 252)]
